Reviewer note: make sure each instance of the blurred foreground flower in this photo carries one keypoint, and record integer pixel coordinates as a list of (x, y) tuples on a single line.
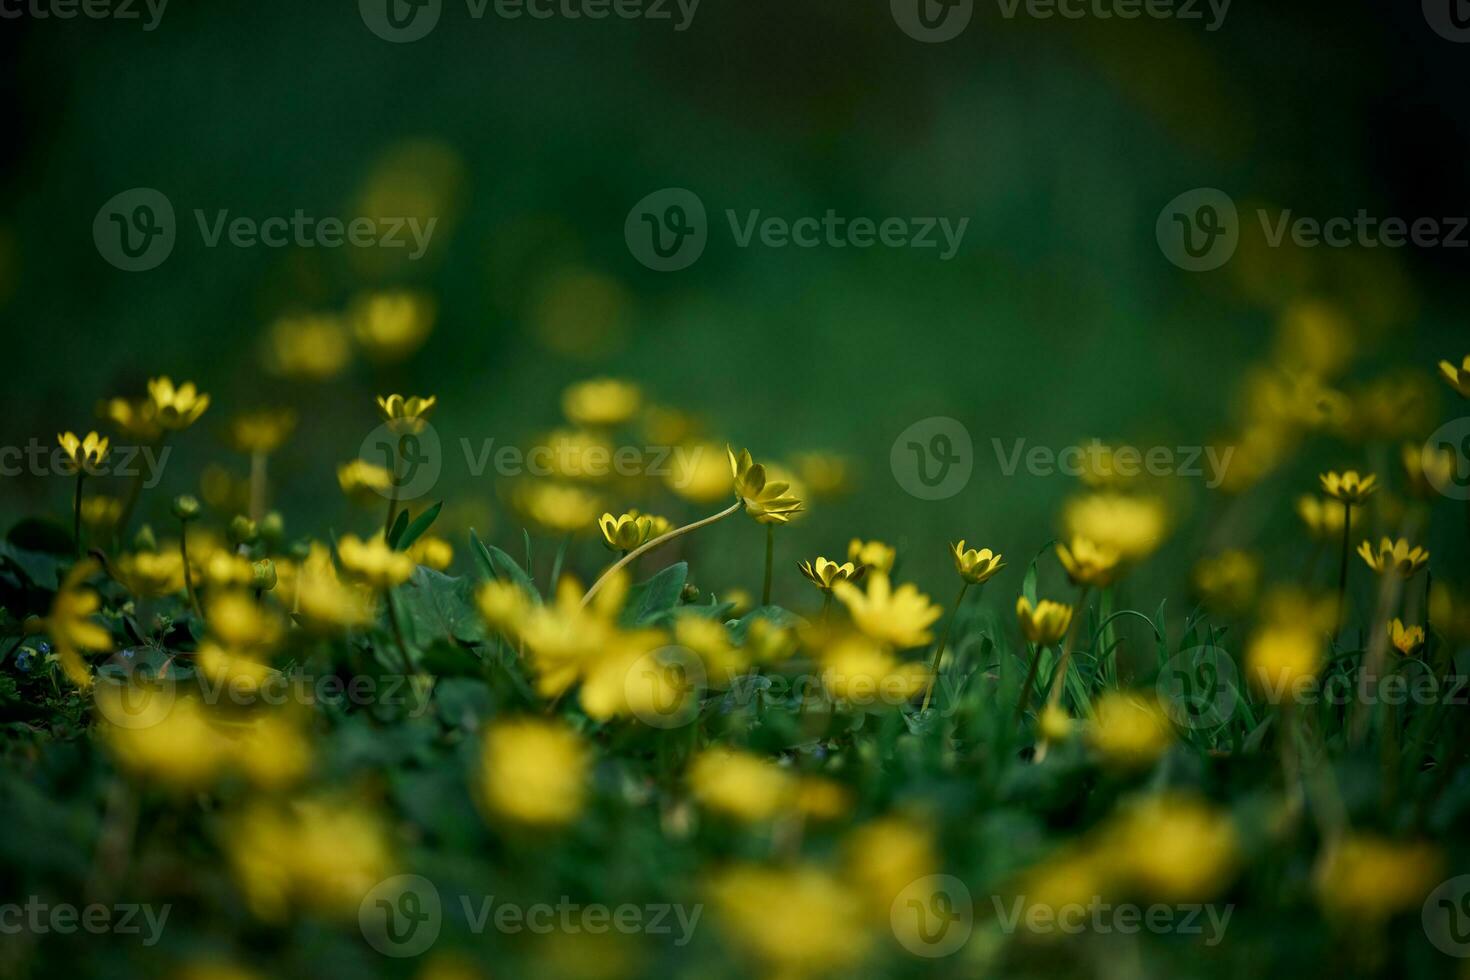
[(534, 772)]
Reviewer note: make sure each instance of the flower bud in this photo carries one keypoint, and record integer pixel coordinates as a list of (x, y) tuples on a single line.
[(242, 530), (185, 507), (144, 539), (265, 574)]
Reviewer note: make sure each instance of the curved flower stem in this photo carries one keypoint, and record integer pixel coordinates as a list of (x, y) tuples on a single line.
[(257, 486), (939, 650), (770, 554), (1054, 696), (826, 605), (188, 575), (76, 517), (1347, 524), (650, 545), (1024, 701)]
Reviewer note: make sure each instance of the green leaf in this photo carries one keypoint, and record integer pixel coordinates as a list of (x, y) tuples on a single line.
[(503, 567), (441, 608), (38, 534), (399, 524), (776, 614), (656, 598), (420, 524)]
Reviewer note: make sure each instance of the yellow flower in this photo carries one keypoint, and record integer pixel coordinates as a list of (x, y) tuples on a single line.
[(181, 750), (1405, 639), (884, 858), (502, 604), (1055, 724), (1394, 556), (876, 555), (557, 507), (239, 622), (709, 638), (152, 573), (273, 752), (406, 414), (1427, 469), (263, 431), (320, 855), (101, 512), (1458, 377), (132, 418), (1172, 847), (1281, 656), (1229, 580), (575, 454), (176, 408), (362, 480), (374, 562), (740, 785), (1088, 563), (820, 798), (1131, 526), (389, 326), (767, 502), (1350, 487), (824, 574), (766, 643), (71, 625), (601, 402), (1323, 519), (1367, 879), (313, 347), (534, 772), (82, 454), (825, 474), (974, 566), (432, 552), (699, 473), (226, 568), (799, 921), (1046, 623), (901, 617), (324, 600), (625, 532), (1129, 729), (563, 639), (237, 670), (657, 526), (861, 673)]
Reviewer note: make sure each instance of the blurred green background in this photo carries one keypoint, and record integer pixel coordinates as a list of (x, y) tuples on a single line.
[(529, 140)]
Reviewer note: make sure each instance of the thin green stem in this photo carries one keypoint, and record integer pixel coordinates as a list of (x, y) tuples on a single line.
[(1024, 701), (398, 633), (1347, 524), (939, 650), (188, 575), (650, 545), (1054, 696), (76, 517), (770, 556)]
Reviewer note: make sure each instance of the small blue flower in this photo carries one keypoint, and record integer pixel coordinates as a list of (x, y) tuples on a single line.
[(24, 660)]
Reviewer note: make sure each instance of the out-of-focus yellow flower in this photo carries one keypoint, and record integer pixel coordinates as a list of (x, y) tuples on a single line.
[(1350, 486), (176, 408), (71, 626), (698, 472), (273, 752), (766, 500), (225, 569), (363, 481), (1045, 623), (82, 454), (390, 326), (1367, 879), (405, 415), (101, 513), (312, 347), (1281, 656), (210, 969), (1323, 519), (557, 507), (1228, 581), (875, 555), (373, 561), (1450, 612), (824, 574), (799, 921), (1099, 468), (1089, 563), (152, 573), (1072, 877), (1257, 450), (603, 402), (263, 431), (179, 750), (740, 785), (1054, 724), (626, 531), (238, 621), (1129, 729), (230, 668), (432, 552), (819, 798), (323, 600), (1395, 406), (563, 639), (1427, 469), (1458, 377), (1394, 556), (133, 418), (534, 772), (1314, 337), (974, 566), (824, 474), (575, 454), (632, 676), (1172, 847), (1405, 639), (1131, 526), (319, 855), (883, 858), (901, 617), (766, 642), (861, 673), (709, 638), (1294, 401), (1297, 608), (502, 604), (667, 426), (223, 490)]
